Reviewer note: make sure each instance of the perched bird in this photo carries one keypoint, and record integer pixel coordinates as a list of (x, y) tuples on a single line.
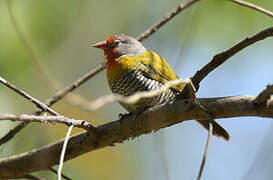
[(132, 68)]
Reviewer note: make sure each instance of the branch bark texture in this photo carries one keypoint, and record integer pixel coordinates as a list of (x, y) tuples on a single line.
[(131, 127)]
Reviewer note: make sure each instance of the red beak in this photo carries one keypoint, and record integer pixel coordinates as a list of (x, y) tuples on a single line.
[(101, 45)]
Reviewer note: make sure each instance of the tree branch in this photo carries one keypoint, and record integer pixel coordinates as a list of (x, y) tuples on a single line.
[(48, 119), (58, 96), (165, 19), (131, 127), (264, 95), (253, 6), (56, 172), (31, 99), (73, 98), (225, 55), (33, 56)]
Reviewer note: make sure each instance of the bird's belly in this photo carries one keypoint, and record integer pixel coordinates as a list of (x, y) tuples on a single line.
[(131, 83)]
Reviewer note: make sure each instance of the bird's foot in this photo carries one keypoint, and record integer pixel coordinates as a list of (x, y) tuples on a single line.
[(188, 92)]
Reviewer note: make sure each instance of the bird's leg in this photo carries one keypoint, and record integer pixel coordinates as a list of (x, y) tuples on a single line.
[(188, 92)]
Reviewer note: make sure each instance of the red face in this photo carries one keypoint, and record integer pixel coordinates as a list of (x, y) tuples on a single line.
[(109, 43), (109, 48)]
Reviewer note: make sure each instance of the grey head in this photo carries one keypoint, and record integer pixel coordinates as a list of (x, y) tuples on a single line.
[(127, 45)]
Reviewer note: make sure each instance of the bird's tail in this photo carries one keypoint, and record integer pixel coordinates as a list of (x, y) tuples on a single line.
[(218, 130)]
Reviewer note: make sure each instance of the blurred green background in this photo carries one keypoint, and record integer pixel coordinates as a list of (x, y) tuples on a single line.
[(59, 33)]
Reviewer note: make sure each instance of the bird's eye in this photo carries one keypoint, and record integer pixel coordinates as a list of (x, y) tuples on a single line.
[(117, 42)]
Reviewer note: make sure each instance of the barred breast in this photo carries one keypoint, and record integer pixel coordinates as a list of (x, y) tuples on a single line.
[(132, 82)]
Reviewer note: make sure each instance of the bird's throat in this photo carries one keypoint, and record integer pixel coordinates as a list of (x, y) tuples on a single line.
[(111, 56)]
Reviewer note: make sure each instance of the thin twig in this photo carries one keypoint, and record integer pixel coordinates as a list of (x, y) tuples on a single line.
[(38, 103), (56, 172), (264, 95), (253, 6), (58, 96), (165, 19), (48, 119), (61, 162), (33, 56), (73, 98), (205, 155), (77, 100), (190, 27), (225, 55), (21, 36)]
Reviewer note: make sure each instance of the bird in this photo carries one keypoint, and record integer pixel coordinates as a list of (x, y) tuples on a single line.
[(131, 68)]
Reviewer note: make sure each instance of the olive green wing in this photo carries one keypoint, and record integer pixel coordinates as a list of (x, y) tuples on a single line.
[(155, 67)]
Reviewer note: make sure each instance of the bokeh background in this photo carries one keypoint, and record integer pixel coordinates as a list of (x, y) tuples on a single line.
[(59, 33)]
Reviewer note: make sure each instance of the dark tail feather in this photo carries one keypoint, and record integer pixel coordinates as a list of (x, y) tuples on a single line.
[(218, 130)]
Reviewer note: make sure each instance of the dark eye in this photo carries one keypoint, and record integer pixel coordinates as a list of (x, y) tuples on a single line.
[(117, 42)]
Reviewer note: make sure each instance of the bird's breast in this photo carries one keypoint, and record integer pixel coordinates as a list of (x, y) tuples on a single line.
[(133, 82), (120, 66)]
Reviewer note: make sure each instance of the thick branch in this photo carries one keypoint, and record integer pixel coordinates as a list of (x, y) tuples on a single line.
[(131, 127)]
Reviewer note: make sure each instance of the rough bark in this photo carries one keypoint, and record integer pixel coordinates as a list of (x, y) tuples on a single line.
[(131, 127)]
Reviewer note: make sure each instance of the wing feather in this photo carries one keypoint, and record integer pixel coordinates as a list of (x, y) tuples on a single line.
[(155, 67)]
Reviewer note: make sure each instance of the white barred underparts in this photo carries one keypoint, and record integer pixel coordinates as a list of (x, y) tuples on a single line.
[(132, 82)]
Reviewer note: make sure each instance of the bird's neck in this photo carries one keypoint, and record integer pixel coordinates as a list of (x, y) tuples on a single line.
[(112, 57)]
